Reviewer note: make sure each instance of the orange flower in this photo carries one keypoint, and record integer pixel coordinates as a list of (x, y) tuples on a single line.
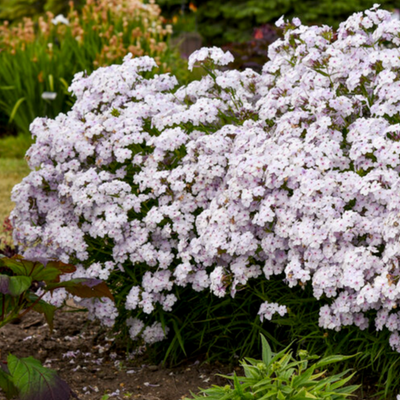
[(192, 7), (258, 34)]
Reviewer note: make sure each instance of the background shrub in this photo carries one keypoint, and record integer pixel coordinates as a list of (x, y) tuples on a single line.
[(221, 22), (39, 59), (12, 10)]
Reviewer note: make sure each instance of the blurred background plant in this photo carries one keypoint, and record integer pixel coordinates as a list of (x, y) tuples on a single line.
[(12, 10), (39, 57), (254, 52), (222, 22)]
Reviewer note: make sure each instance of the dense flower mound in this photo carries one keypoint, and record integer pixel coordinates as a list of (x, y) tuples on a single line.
[(235, 177)]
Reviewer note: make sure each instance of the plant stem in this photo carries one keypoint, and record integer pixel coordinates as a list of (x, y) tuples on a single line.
[(3, 307), (31, 306)]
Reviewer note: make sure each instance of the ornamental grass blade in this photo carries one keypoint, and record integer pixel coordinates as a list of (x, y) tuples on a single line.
[(35, 382), (15, 109), (331, 360)]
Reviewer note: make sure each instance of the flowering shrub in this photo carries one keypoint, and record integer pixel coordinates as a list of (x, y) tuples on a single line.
[(235, 177)]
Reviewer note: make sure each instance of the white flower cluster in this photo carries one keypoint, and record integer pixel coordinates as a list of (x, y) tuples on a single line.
[(238, 176)]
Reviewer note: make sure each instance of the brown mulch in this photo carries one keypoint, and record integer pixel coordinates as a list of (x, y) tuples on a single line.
[(80, 351), (83, 356)]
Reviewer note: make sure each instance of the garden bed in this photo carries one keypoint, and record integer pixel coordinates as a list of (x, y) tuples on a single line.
[(94, 366)]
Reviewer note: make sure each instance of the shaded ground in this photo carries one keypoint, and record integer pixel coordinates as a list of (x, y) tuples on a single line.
[(81, 354)]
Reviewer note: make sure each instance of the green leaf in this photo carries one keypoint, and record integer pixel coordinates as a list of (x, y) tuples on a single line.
[(46, 274), (18, 265), (37, 270), (35, 382), (237, 385), (266, 351), (304, 378), (62, 267), (15, 109), (281, 396), (19, 284), (44, 308), (309, 395), (84, 287), (342, 382), (14, 285), (331, 360), (6, 383)]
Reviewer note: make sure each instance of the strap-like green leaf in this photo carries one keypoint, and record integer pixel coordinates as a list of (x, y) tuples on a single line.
[(266, 351), (15, 109), (301, 380), (331, 360)]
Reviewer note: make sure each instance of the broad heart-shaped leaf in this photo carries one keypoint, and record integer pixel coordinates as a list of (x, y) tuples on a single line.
[(6, 383), (47, 274), (14, 285), (53, 270), (18, 265), (44, 308), (64, 268), (35, 382), (84, 287), (4, 284), (36, 270)]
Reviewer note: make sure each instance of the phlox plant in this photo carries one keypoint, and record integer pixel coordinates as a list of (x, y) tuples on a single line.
[(230, 181)]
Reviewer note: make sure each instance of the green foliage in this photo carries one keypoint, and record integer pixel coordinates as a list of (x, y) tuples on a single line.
[(12, 10), (20, 280), (14, 148), (31, 381), (280, 376), (221, 22), (39, 57)]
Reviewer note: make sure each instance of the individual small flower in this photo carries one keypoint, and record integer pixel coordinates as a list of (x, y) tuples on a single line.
[(60, 19), (49, 95), (267, 310), (215, 54)]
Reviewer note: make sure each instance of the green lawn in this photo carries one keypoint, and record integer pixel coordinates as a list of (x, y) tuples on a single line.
[(12, 170)]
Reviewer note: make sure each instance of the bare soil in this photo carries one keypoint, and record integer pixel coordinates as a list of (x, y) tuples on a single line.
[(86, 358), (83, 356)]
